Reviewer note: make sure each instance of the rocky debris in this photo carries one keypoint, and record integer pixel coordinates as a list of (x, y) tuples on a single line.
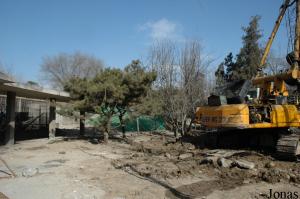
[(243, 164), (118, 164), (272, 176), (29, 172), (294, 178), (154, 151), (94, 141), (136, 155), (144, 169), (227, 163), (189, 146), (62, 152), (270, 165), (168, 155), (222, 162), (246, 181), (222, 158), (55, 140), (185, 156), (275, 175), (179, 159), (209, 160), (253, 172), (51, 141), (224, 153)]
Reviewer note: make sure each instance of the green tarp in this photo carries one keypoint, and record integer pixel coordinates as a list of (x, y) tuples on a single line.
[(142, 123)]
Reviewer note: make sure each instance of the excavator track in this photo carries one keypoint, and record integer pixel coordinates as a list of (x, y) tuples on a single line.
[(288, 147), (283, 143)]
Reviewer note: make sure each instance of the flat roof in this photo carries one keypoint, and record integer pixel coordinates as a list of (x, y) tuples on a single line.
[(22, 90), (5, 78)]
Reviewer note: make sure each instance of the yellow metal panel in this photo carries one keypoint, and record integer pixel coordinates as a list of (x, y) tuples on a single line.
[(234, 115), (281, 116), (284, 114), (237, 116)]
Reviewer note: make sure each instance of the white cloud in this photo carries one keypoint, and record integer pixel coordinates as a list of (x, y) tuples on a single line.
[(162, 29)]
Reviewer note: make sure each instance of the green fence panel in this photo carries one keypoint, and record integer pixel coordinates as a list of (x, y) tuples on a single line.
[(146, 123)]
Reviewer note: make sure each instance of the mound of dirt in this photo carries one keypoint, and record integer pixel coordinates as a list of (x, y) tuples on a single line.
[(202, 188), (159, 158)]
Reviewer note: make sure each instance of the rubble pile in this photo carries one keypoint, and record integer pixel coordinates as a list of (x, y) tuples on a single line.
[(166, 159)]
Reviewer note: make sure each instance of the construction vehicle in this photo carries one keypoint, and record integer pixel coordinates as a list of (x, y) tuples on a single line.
[(271, 119)]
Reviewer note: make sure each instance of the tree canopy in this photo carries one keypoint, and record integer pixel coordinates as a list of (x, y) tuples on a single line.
[(250, 54), (244, 65), (57, 70), (111, 91), (181, 83)]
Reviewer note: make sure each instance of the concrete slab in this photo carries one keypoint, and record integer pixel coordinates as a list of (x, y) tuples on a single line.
[(22, 90), (5, 78)]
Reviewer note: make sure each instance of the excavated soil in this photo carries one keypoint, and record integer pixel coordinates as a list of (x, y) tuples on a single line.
[(145, 165), (160, 159)]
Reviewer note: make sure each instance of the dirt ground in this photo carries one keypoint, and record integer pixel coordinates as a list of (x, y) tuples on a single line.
[(147, 165)]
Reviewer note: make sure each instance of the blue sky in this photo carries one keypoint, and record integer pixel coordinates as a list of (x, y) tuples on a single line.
[(118, 31)]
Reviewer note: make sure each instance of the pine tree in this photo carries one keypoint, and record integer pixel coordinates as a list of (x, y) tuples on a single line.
[(220, 75), (248, 59), (231, 68), (250, 54), (111, 92)]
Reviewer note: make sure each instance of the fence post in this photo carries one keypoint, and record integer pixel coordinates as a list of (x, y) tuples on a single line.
[(82, 123), (137, 124)]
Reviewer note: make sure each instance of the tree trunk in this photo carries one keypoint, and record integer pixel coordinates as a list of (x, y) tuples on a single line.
[(123, 131), (105, 138), (107, 130), (122, 125), (183, 121), (190, 125), (175, 130)]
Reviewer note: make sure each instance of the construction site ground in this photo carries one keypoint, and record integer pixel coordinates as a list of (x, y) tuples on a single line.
[(146, 165)]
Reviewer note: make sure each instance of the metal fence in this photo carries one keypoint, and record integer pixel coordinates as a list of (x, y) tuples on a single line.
[(30, 113)]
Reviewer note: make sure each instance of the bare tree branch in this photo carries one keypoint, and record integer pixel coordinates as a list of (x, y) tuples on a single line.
[(180, 81), (58, 69)]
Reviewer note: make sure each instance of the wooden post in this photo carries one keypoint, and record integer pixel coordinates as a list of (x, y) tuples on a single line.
[(137, 125), (82, 121)]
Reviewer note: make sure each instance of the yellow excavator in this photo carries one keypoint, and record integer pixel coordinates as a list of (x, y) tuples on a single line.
[(272, 118)]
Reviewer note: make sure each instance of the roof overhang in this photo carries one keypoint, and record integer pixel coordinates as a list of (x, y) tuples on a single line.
[(5, 78), (35, 93)]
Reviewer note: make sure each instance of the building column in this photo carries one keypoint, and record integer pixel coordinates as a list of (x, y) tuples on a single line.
[(52, 117), (10, 117)]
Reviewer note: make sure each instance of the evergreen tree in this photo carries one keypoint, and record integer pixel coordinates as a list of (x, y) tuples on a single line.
[(231, 68), (248, 59), (111, 92), (250, 54), (220, 75)]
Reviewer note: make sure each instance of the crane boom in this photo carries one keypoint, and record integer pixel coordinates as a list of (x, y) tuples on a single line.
[(274, 31), (295, 65)]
